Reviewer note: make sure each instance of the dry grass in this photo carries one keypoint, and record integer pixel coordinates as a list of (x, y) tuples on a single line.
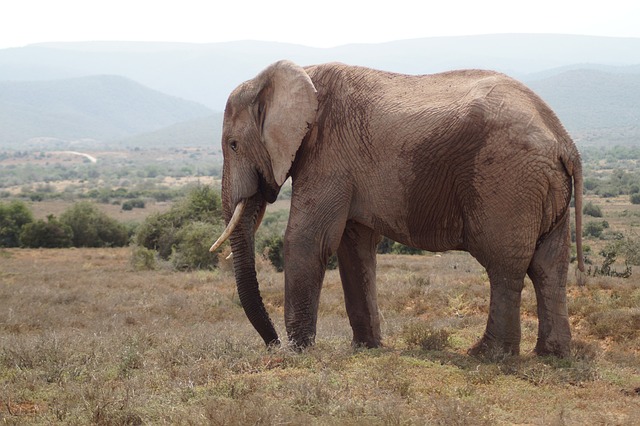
[(85, 339)]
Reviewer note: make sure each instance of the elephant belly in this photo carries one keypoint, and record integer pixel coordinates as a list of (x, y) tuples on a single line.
[(435, 232), (424, 230)]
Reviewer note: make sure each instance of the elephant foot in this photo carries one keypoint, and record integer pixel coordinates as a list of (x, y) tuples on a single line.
[(367, 344), (555, 348), (298, 344), (493, 348)]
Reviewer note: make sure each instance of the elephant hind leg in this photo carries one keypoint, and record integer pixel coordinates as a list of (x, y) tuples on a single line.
[(357, 263), (505, 259), (548, 272), (502, 334)]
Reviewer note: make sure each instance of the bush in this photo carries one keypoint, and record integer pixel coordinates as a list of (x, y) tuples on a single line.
[(635, 198), (626, 247), (133, 204), (590, 184), (630, 248), (143, 259), (591, 209), (49, 234), (387, 245), (427, 338), (192, 248), (174, 234), (402, 249), (610, 254), (157, 232), (13, 216), (93, 228), (272, 249), (595, 229)]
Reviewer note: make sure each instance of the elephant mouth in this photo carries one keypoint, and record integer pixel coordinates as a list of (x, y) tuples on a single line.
[(266, 193)]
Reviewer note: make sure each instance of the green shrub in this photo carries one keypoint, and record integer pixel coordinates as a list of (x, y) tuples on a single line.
[(398, 248), (635, 198), (49, 234), (608, 192), (595, 228), (174, 234), (93, 228), (630, 249), (387, 245), (591, 209), (272, 248), (590, 184), (157, 232), (133, 204), (274, 222), (143, 259), (192, 248), (13, 216)]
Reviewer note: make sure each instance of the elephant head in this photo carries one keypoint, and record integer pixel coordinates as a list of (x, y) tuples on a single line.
[(265, 122)]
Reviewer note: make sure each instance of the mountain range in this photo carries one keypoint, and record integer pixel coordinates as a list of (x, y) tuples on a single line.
[(71, 89), (95, 107)]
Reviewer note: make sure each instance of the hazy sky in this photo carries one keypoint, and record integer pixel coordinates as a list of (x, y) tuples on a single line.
[(323, 23)]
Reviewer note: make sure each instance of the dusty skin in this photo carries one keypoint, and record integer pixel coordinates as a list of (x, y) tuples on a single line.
[(464, 160)]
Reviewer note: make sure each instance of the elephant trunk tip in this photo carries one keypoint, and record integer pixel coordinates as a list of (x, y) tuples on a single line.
[(272, 343)]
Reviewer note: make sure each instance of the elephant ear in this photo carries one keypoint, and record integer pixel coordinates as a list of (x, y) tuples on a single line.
[(286, 107)]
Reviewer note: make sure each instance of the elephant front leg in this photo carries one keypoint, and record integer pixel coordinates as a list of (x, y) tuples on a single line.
[(502, 334), (305, 266), (357, 263), (313, 234)]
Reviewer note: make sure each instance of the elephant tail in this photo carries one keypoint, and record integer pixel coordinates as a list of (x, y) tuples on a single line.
[(573, 164), (578, 187)]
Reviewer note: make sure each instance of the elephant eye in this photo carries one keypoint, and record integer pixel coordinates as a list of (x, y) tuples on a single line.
[(234, 145)]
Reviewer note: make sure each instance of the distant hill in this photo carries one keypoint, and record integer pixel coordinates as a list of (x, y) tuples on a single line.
[(592, 99), (70, 91), (206, 73), (200, 132), (97, 107), (595, 106)]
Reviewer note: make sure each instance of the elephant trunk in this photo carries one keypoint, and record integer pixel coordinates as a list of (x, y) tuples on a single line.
[(243, 248)]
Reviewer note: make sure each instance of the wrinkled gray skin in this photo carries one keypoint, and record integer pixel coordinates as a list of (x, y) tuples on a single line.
[(464, 160)]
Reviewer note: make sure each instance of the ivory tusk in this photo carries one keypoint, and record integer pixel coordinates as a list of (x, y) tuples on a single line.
[(235, 219), (229, 257)]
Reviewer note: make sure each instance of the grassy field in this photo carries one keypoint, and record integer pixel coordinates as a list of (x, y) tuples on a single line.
[(86, 339)]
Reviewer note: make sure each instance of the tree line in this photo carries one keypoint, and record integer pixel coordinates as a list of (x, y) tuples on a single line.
[(81, 225)]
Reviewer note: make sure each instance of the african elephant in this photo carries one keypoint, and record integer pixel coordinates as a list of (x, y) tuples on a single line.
[(464, 160)]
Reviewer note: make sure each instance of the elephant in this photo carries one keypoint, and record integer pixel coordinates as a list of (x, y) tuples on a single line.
[(467, 160)]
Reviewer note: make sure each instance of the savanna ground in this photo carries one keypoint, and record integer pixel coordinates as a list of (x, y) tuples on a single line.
[(85, 338)]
